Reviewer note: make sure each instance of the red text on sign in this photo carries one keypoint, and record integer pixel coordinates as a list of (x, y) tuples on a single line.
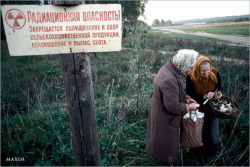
[(112, 27), (53, 17), (99, 42), (101, 16), (45, 28)]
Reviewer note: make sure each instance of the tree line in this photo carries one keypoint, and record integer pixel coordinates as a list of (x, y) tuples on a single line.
[(157, 23), (231, 20)]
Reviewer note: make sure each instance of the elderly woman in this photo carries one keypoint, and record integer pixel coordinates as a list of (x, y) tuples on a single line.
[(168, 105), (201, 84)]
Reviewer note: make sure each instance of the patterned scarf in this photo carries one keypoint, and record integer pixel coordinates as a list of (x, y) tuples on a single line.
[(195, 73), (184, 59)]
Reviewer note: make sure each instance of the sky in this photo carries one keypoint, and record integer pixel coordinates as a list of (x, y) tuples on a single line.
[(187, 9)]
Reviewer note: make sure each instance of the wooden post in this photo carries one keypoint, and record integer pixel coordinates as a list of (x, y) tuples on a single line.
[(76, 72)]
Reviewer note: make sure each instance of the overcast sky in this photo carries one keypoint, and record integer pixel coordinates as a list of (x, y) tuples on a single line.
[(184, 10)]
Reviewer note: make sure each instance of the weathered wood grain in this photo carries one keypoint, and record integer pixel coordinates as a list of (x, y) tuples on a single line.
[(76, 72)]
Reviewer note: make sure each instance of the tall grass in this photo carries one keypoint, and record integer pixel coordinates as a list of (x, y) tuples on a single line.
[(184, 36), (35, 122)]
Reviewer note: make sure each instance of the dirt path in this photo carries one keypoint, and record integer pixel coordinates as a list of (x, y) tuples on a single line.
[(211, 57), (244, 41)]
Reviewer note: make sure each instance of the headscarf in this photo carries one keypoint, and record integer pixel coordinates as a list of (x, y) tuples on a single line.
[(184, 59), (195, 73)]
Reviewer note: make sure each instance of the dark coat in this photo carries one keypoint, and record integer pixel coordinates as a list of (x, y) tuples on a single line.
[(210, 129), (168, 105)]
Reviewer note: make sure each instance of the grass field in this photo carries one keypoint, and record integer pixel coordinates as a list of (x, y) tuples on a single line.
[(184, 36), (240, 28), (34, 117)]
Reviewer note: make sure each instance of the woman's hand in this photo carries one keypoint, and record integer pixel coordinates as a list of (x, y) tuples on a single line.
[(218, 95), (210, 95), (192, 106)]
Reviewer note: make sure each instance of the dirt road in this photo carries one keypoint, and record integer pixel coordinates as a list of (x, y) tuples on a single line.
[(241, 40)]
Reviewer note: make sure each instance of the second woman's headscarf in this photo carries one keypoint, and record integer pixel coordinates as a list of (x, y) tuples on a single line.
[(195, 73), (184, 59)]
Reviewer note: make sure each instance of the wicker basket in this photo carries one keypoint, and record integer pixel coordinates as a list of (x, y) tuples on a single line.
[(221, 114)]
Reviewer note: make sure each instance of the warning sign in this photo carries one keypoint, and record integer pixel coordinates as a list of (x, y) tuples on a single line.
[(47, 29), (15, 18)]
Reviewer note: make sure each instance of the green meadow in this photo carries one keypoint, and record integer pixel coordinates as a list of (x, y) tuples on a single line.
[(218, 28)]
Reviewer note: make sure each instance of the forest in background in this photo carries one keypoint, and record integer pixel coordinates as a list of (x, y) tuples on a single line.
[(168, 22), (216, 19)]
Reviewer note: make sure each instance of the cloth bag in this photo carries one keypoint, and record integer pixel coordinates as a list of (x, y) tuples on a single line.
[(192, 124)]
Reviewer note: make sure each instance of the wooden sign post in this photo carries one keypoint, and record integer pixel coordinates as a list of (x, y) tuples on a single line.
[(69, 29), (76, 72)]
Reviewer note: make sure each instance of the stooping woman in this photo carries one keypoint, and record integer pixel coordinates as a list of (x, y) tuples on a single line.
[(169, 103), (201, 84)]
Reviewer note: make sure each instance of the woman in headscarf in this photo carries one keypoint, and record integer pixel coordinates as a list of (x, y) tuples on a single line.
[(169, 103), (201, 84)]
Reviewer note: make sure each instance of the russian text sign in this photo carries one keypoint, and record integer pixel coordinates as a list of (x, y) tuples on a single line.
[(47, 29)]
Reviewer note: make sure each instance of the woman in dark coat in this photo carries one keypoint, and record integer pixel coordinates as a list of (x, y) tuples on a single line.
[(201, 83), (168, 105)]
